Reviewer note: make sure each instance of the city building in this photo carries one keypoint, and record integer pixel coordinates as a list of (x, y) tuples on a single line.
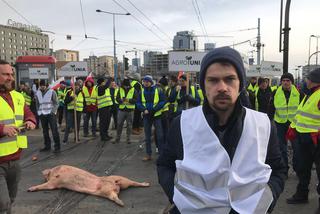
[(155, 63), (209, 46), (17, 39), (101, 65), (185, 41), (66, 55)]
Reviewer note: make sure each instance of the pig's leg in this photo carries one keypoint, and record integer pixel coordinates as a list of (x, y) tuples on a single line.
[(114, 197), (124, 183), (44, 186)]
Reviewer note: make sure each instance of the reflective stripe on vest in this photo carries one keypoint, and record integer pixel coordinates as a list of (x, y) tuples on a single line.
[(105, 100), (79, 102), (193, 92), (252, 89), (166, 106), (307, 119), (91, 99), (286, 111), (175, 103), (201, 96), (128, 97), (155, 101), (242, 185), (10, 145), (45, 102), (62, 94)]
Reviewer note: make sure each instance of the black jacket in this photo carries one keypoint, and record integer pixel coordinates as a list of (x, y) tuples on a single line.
[(229, 136)]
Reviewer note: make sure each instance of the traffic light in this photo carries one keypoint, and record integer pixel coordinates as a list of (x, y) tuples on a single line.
[(126, 64)]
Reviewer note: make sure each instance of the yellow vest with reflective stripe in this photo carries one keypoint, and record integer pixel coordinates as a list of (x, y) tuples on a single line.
[(307, 119), (128, 97), (10, 145), (166, 106), (201, 96), (27, 98), (286, 111), (193, 92), (78, 100), (155, 101), (62, 94), (134, 82), (90, 99), (253, 89), (273, 88), (175, 103), (105, 100)]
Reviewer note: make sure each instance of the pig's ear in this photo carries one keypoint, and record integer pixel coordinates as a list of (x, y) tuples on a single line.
[(46, 173)]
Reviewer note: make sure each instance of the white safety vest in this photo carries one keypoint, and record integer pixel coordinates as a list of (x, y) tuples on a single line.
[(45, 102), (206, 181)]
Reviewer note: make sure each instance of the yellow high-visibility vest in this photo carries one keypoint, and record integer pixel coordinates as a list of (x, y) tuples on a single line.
[(193, 92), (128, 97), (286, 111), (175, 103), (78, 100), (10, 145), (155, 101), (91, 99), (166, 106), (307, 119), (27, 98), (251, 88), (201, 96), (105, 100), (62, 94)]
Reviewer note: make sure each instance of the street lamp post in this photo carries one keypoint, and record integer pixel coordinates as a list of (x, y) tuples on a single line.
[(317, 51), (310, 58), (115, 63)]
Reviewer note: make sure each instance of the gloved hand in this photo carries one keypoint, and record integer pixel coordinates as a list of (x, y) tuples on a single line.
[(315, 137), (291, 134)]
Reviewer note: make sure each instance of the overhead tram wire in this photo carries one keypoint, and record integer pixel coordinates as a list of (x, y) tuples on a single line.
[(140, 21), (83, 22), (164, 33), (4, 1), (201, 20)]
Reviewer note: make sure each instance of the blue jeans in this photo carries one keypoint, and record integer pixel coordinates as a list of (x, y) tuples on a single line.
[(93, 116), (147, 123), (70, 123)]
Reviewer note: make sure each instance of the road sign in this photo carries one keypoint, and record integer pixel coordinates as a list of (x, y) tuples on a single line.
[(74, 69), (38, 73), (185, 61)]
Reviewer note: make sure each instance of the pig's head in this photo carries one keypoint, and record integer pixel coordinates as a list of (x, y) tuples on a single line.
[(46, 173)]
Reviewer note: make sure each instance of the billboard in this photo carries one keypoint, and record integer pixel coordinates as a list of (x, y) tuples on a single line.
[(267, 68), (39, 73), (185, 61), (74, 69)]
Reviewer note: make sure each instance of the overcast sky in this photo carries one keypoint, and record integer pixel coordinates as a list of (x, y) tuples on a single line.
[(220, 17)]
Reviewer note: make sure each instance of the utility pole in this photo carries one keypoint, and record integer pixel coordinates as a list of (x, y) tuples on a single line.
[(258, 44), (285, 32)]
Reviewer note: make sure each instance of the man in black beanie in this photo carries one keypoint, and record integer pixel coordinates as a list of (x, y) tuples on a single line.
[(283, 108), (221, 157), (305, 129)]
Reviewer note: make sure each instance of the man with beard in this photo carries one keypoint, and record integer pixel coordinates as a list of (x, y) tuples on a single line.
[(15, 115), (222, 157)]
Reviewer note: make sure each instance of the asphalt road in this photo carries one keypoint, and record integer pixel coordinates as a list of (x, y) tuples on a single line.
[(106, 158)]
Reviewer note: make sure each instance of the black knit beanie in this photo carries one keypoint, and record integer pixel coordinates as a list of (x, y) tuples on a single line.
[(163, 81), (314, 76), (223, 54), (287, 76)]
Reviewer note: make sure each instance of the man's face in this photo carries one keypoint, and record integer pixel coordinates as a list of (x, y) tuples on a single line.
[(21, 87), (6, 77), (43, 87), (222, 86), (286, 84), (182, 82), (89, 84), (172, 83), (147, 84), (264, 85), (62, 86)]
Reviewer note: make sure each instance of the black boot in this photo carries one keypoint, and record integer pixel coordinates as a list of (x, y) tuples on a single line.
[(298, 198)]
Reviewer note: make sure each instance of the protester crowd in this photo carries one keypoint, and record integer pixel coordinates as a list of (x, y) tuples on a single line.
[(144, 104)]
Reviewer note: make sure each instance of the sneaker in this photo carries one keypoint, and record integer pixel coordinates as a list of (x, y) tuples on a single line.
[(147, 158), (45, 149), (298, 199), (157, 150)]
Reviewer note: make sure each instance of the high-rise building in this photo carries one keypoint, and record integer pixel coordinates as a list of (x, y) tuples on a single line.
[(66, 55), (101, 65), (155, 63), (17, 39), (185, 41)]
